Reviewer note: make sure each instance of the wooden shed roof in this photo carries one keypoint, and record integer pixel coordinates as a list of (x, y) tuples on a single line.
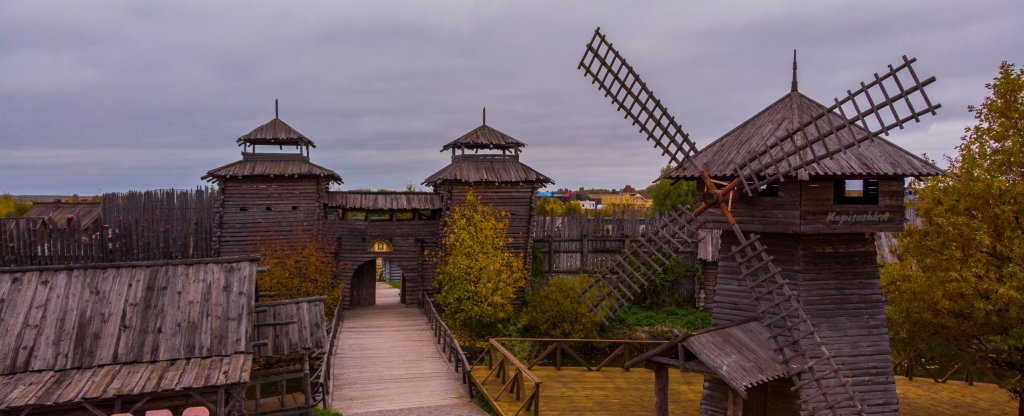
[(86, 213), (93, 323), (741, 354), (275, 132), (487, 169), (385, 200), (878, 157), (271, 164), (112, 380), (485, 137)]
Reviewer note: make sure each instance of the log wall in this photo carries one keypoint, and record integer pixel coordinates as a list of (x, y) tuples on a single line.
[(807, 207), (516, 200), (838, 282), (290, 326), (284, 211), (408, 240)]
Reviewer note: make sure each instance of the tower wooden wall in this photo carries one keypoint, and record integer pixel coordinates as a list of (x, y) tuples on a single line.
[(515, 199), (281, 210)]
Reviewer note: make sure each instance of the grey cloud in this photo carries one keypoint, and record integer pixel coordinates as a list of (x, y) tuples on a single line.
[(121, 95)]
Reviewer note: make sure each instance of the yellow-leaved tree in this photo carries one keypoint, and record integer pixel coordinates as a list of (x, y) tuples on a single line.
[(298, 272), (477, 274)]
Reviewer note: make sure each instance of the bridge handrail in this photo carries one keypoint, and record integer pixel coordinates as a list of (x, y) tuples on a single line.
[(513, 381), (325, 372), (449, 344)]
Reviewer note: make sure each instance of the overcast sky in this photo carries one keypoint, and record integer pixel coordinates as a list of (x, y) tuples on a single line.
[(109, 96)]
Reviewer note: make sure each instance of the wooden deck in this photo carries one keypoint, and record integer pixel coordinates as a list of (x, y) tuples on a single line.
[(612, 391), (386, 360)]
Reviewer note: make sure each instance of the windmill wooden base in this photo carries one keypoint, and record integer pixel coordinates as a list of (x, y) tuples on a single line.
[(836, 276)]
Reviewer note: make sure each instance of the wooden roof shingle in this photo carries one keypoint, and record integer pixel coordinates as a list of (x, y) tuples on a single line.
[(384, 200), (271, 164), (485, 137), (487, 169), (275, 132), (83, 316), (86, 213), (877, 157)]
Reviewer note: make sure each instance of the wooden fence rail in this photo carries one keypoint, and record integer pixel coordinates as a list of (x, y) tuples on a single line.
[(507, 381), (449, 344), (510, 376)]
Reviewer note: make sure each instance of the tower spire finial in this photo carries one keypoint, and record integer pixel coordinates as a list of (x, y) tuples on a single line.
[(794, 71), (485, 116), (275, 109)]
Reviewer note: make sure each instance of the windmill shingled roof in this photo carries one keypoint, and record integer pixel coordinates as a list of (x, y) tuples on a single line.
[(275, 132), (487, 168), (877, 157), (484, 137)]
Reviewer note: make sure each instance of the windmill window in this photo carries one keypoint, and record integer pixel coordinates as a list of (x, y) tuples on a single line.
[(856, 192), (243, 209), (770, 190), (269, 209), (295, 208)]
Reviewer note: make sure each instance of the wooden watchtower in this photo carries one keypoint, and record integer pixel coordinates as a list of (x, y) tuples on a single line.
[(819, 225), (273, 194), (495, 174)]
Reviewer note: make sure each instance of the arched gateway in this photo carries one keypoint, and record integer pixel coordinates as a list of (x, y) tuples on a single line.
[(279, 197)]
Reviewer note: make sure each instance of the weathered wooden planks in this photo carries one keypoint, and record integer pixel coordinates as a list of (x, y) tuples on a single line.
[(386, 359), (64, 317), (290, 326)]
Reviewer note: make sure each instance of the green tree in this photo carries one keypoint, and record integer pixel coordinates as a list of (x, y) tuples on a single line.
[(573, 208), (956, 291), (10, 207), (548, 206), (477, 274), (667, 196)]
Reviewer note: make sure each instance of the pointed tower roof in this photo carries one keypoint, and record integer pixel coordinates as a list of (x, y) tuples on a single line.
[(277, 133), (877, 157), (485, 137)]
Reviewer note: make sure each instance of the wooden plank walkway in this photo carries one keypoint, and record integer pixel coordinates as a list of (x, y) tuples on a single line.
[(386, 363), (612, 391)]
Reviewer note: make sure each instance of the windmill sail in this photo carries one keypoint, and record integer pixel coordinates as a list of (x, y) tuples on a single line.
[(871, 110), (607, 69)]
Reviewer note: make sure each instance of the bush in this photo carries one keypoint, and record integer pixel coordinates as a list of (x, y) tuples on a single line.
[(9, 207), (554, 309), (633, 322), (299, 272), (673, 287), (477, 274)]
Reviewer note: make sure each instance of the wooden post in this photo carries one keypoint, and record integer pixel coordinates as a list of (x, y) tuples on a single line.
[(661, 390), (735, 404)]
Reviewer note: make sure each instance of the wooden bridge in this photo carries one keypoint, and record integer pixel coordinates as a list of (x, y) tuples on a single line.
[(387, 362)]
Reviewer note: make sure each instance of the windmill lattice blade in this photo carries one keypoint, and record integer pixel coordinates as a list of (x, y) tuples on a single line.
[(793, 334), (889, 101), (667, 237), (617, 79)]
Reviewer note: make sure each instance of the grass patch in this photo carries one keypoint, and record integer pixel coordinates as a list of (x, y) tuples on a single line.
[(484, 405), (396, 285), (319, 411), (632, 322)]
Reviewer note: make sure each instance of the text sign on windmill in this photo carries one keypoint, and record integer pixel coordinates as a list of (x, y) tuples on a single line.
[(380, 246)]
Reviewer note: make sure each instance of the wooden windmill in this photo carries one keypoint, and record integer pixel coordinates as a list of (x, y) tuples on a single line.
[(773, 176)]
